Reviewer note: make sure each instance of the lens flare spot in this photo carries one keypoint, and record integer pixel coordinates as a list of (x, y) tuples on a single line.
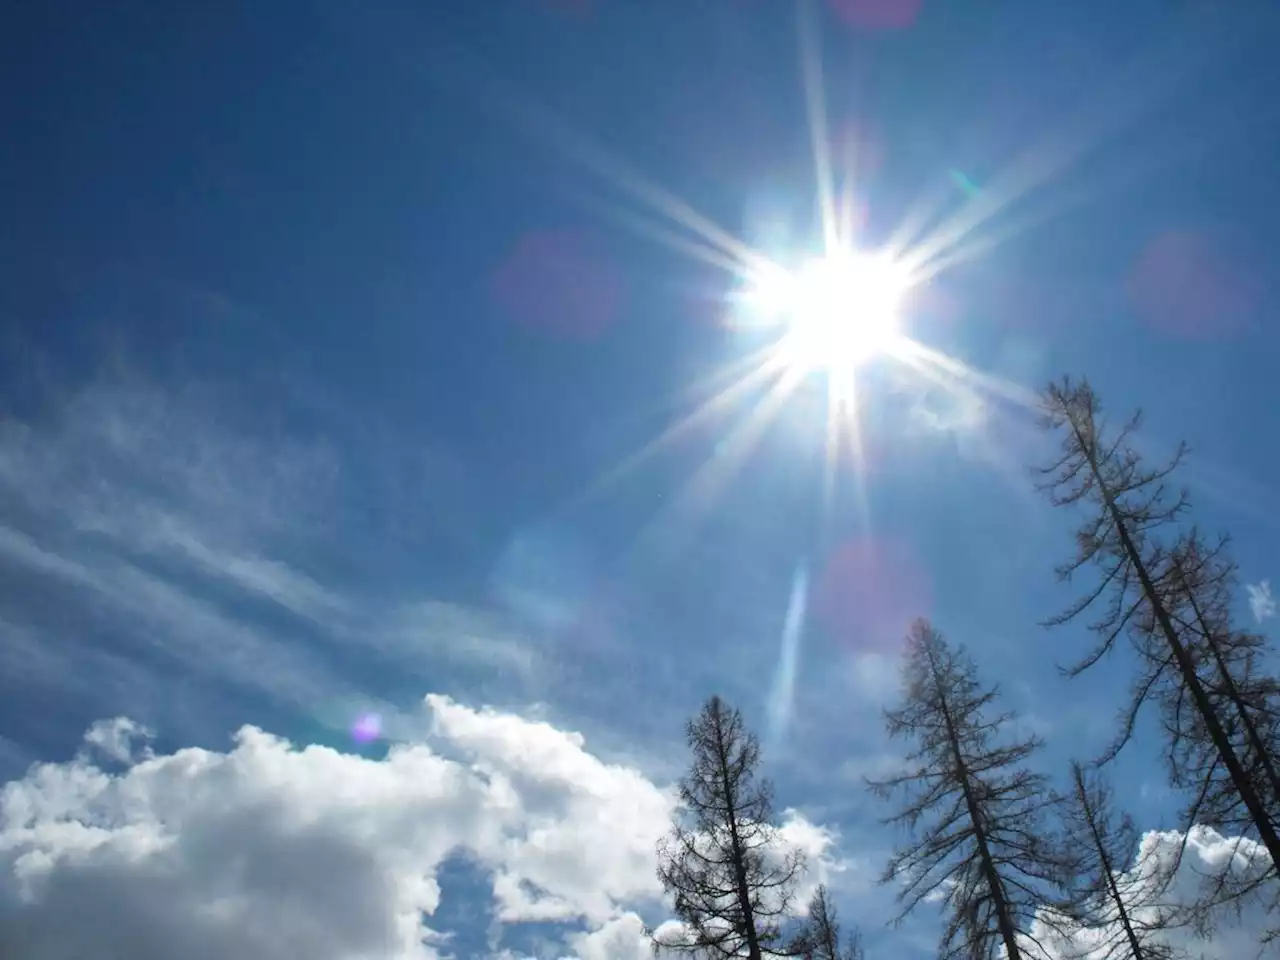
[(558, 283), (869, 592), (962, 180), (1189, 284), (366, 728), (877, 14)]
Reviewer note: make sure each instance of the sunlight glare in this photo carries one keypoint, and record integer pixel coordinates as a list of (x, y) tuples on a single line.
[(839, 311)]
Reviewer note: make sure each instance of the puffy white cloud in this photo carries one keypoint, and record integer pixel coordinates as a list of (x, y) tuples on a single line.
[(273, 850), (622, 938), (816, 843), (591, 828), (1206, 853), (118, 739), (1261, 602)]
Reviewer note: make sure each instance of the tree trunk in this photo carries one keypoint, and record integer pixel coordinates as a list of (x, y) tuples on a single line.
[(1007, 931), (1233, 693), (1130, 934), (739, 868), (1266, 831)]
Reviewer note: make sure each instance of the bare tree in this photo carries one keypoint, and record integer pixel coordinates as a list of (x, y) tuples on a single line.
[(723, 862), (1117, 902), (1230, 663), (1154, 579), (974, 808), (820, 937)]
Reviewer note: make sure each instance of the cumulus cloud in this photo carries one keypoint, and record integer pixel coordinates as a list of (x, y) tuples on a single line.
[(118, 739), (1206, 853), (622, 938), (1261, 602), (270, 849)]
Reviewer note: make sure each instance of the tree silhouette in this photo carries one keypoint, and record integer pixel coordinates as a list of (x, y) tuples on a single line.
[(1246, 697), (1230, 663), (973, 807), (820, 937), (723, 863), (1119, 908), (1168, 590)]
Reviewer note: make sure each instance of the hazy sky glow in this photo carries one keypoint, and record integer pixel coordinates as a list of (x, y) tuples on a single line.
[(409, 414)]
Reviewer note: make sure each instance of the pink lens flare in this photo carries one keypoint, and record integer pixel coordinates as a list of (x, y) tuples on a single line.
[(367, 728), (577, 8), (869, 592), (1194, 285), (877, 14), (559, 283)]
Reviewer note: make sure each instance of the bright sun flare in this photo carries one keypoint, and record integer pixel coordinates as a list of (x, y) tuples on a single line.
[(839, 311)]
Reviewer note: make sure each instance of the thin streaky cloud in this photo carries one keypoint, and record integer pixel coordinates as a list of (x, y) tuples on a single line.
[(1261, 602), (139, 513)]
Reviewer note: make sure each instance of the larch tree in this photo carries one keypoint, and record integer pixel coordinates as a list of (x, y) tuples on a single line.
[(1112, 902), (1167, 591), (729, 875), (974, 808), (821, 938), (1232, 664)]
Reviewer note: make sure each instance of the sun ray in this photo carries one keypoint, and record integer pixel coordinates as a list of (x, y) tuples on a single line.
[(758, 368), (848, 206), (815, 104), (483, 87), (843, 311), (1115, 103), (706, 483), (731, 452), (848, 194), (920, 246), (923, 211), (652, 229), (831, 453), (845, 389), (947, 371)]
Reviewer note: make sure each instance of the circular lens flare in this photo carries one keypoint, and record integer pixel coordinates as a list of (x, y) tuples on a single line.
[(367, 728)]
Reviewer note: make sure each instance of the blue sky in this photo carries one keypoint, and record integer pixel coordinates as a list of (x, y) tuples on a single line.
[(324, 333)]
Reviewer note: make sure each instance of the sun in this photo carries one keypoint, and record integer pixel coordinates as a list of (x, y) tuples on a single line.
[(838, 311)]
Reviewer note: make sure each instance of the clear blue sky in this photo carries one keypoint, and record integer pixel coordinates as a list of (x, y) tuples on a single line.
[(322, 332)]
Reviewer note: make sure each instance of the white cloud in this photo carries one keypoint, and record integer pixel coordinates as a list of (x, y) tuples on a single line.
[(120, 739), (273, 850), (270, 850), (1261, 602), (150, 518), (592, 827), (1206, 853), (816, 842), (622, 938)]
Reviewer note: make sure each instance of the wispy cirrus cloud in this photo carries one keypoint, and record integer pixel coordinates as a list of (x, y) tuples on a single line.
[(1261, 603), (153, 537), (168, 553)]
